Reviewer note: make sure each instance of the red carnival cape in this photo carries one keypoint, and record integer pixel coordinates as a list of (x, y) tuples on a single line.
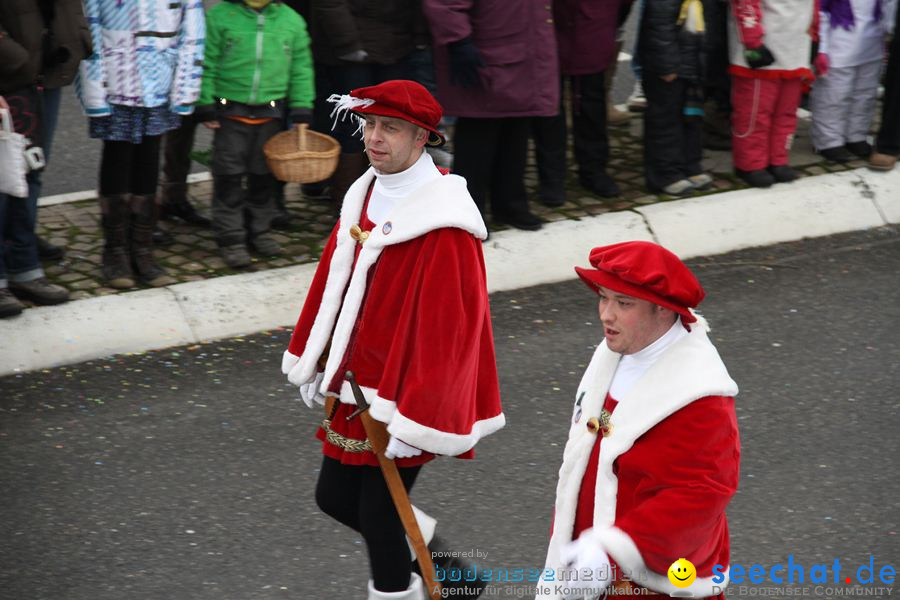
[(409, 316)]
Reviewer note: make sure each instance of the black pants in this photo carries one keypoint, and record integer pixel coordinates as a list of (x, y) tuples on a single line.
[(591, 143), (358, 497), (718, 81), (490, 154), (127, 168), (888, 140), (177, 145), (672, 143)]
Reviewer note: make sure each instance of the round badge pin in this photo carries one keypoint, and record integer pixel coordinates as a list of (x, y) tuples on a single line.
[(386, 228)]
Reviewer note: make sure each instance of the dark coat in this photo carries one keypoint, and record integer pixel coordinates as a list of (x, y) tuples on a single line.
[(664, 47), (517, 43), (586, 33), (27, 57), (388, 30)]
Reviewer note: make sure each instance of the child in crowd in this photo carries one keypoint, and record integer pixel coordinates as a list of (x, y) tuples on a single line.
[(258, 65), (770, 43), (143, 75), (851, 48), (670, 50)]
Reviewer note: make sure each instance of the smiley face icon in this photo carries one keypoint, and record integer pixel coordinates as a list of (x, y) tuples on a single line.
[(682, 573)]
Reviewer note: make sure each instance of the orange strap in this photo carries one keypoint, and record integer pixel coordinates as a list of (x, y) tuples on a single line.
[(250, 121)]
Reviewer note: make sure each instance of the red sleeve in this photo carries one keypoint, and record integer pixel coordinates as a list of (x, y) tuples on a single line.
[(313, 297), (748, 16), (688, 471), (440, 369)]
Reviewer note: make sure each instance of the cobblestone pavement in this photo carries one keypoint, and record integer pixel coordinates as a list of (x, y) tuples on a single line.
[(194, 255)]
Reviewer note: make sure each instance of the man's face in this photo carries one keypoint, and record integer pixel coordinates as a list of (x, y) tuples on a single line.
[(631, 324), (392, 145)]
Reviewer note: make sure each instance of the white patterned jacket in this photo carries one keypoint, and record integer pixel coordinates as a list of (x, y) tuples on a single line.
[(147, 53)]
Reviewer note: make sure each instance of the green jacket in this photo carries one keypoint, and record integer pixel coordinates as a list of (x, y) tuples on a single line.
[(256, 57)]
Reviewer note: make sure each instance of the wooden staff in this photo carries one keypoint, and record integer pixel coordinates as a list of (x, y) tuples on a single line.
[(378, 439)]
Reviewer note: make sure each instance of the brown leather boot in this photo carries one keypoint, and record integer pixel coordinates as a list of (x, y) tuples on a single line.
[(350, 167), (144, 214), (114, 213)]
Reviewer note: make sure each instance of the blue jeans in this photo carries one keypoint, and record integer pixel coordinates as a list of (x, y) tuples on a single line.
[(18, 216)]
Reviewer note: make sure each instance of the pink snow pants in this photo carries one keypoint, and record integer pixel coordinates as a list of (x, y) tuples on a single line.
[(763, 120)]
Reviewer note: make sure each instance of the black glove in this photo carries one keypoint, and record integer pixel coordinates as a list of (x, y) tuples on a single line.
[(301, 115), (465, 59), (758, 58), (205, 112)]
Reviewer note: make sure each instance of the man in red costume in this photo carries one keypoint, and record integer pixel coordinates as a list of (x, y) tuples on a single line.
[(399, 298), (653, 451)]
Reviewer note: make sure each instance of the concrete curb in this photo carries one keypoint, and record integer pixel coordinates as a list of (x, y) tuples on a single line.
[(92, 194), (242, 304)]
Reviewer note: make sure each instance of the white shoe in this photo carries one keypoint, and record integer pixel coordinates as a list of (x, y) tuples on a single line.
[(415, 591), (701, 181), (637, 101), (679, 188)]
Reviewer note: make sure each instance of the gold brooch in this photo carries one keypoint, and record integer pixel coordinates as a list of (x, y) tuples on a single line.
[(602, 424), (358, 234)]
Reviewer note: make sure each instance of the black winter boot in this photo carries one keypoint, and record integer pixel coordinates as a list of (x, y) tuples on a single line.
[(144, 213), (48, 251), (175, 205), (759, 178), (114, 213)]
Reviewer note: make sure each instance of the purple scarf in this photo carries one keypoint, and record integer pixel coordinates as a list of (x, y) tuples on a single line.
[(841, 13)]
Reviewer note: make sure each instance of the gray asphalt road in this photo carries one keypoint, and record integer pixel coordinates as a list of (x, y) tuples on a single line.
[(76, 157), (189, 473)]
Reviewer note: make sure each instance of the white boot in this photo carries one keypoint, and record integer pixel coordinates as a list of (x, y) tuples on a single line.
[(427, 524), (415, 591)]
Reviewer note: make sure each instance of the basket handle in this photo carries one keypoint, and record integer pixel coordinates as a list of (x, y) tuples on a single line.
[(301, 136)]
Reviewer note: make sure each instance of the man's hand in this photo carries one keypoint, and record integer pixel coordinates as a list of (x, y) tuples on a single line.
[(399, 449), (212, 124), (669, 78), (758, 57), (582, 555), (465, 60)]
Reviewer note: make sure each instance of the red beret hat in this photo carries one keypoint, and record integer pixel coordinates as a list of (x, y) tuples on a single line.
[(645, 270), (401, 99)]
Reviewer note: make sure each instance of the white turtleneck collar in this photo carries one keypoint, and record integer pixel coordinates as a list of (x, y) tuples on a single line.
[(390, 188), (632, 366)]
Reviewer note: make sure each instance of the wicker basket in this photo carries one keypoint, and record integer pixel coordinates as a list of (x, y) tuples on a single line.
[(302, 156)]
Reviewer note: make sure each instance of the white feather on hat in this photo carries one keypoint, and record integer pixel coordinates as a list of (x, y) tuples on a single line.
[(344, 104)]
